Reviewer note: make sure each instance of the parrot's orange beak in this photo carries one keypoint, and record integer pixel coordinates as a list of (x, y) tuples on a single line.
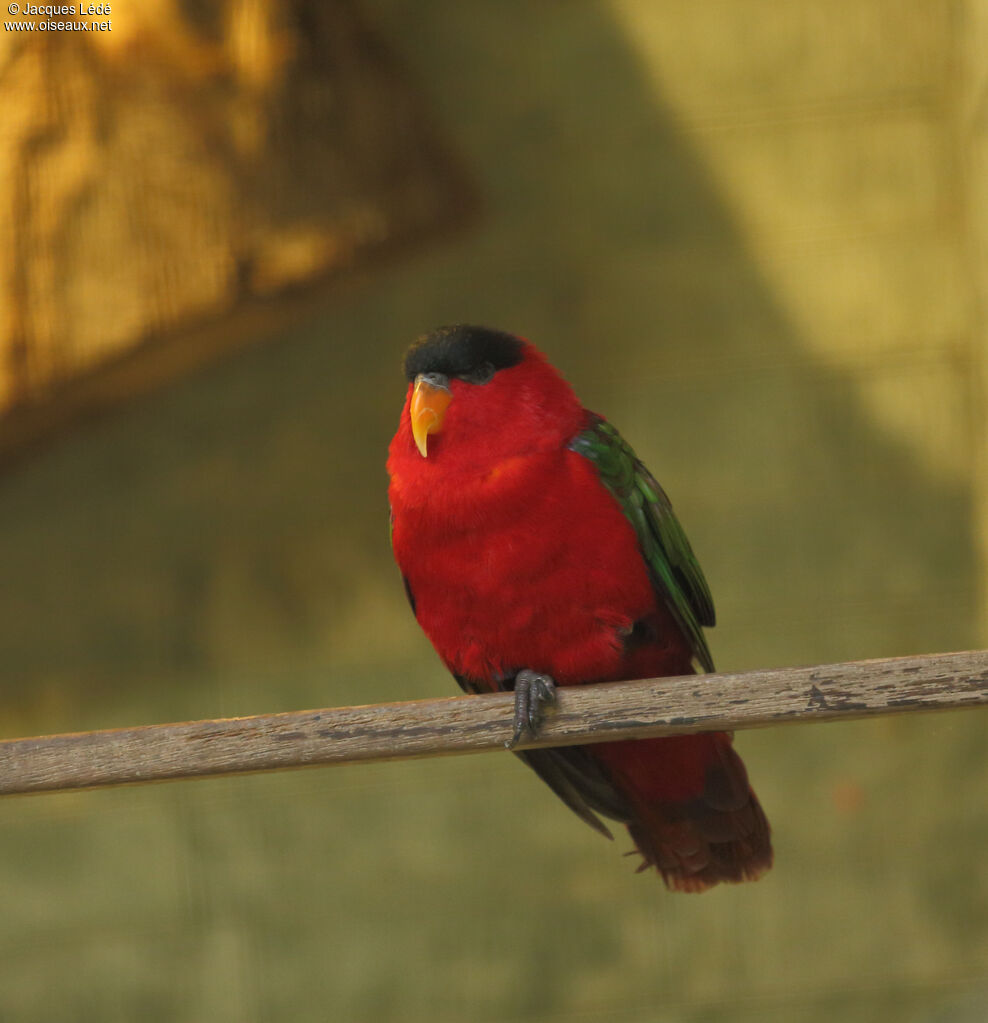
[(430, 399)]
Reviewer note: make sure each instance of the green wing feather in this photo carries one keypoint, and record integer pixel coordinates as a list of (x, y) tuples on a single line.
[(675, 571)]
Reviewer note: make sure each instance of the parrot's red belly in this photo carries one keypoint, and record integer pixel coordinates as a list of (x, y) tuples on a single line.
[(517, 575)]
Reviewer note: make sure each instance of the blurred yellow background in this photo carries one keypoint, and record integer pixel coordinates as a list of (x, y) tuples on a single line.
[(753, 235)]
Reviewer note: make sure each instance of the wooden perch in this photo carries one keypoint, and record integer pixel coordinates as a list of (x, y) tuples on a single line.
[(477, 724)]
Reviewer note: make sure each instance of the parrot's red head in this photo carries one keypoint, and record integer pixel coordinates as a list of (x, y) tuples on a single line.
[(476, 399)]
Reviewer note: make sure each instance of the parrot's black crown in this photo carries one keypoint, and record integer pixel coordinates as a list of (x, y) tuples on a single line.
[(462, 350)]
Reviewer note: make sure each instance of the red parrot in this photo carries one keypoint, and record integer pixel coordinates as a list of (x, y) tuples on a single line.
[(536, 551)]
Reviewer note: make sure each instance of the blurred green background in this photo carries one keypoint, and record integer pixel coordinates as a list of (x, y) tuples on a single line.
[(751, 234)]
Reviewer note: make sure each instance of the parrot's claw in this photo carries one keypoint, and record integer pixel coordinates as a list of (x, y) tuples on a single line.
[(533, 693)]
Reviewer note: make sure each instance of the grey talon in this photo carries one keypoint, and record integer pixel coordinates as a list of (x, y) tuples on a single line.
[(533, 693)]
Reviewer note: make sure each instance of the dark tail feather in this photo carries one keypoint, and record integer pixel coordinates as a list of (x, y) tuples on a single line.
[(690, 861), (719, 835)]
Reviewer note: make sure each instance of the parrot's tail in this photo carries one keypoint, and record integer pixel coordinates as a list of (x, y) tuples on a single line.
[(697, 821)]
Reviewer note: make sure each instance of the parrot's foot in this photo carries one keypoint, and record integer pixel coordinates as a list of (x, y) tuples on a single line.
[(533, 693)]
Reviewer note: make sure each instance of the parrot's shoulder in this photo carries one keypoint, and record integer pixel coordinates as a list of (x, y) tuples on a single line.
[(674, 568)]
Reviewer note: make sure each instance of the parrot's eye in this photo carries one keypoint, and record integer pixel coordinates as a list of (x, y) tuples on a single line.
[(481, 375)]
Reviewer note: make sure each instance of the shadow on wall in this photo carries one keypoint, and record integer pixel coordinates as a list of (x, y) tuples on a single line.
[(234, 526)]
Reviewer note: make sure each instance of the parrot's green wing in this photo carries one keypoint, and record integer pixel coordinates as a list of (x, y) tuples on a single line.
[(675, 571)]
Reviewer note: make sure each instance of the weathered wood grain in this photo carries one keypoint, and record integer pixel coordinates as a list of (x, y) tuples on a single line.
[(476, 724)]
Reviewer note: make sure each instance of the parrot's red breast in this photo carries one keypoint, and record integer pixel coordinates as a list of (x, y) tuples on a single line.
[(517, 554)]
